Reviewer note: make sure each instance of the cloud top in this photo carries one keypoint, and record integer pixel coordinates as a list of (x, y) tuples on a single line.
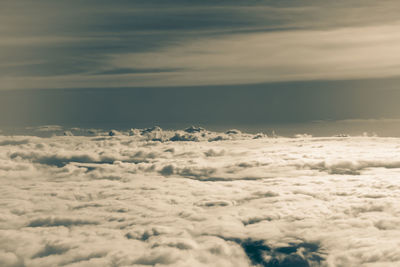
[(126, 200)]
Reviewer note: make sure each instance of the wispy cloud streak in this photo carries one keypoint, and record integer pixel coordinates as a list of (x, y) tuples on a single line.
[(60, 44)]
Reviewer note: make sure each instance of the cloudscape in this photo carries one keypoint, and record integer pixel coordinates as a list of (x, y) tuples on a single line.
[(198, 198), (199, 133)]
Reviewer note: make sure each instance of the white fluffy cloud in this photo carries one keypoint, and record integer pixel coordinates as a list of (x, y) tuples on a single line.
[(220, 199)]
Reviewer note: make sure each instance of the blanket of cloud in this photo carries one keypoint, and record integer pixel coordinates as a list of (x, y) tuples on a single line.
[(150, 197)]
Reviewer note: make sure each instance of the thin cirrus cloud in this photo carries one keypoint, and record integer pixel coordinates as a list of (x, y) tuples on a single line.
[(364, 52), (116, 71), (150, 43)]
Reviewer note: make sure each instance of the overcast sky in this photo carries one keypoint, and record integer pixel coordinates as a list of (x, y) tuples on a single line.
[(201, 45)]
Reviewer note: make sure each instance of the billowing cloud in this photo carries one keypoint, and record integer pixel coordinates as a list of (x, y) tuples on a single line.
[(129, 200)]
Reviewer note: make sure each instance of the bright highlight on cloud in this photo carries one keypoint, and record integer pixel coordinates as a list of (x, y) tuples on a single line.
[(198, 198)]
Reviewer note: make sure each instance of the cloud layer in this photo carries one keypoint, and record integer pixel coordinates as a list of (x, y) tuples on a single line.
[(139, 198)]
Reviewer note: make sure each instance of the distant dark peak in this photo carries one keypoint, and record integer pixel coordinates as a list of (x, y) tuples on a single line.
[(113, 132), (233, 131), (193, 129), (151, 129), (259, 135), (184, 137), (68, 133)]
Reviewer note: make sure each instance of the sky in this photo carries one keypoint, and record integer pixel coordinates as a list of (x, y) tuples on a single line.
[(198, 61)]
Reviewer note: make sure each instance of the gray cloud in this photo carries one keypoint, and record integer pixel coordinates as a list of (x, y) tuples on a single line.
[(133, 70), (61, 44)]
